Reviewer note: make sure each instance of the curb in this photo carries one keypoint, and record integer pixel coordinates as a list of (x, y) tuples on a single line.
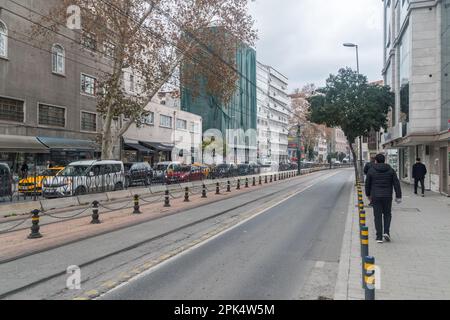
[(342, 283)]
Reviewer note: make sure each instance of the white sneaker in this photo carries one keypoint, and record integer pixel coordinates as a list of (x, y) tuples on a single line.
[(387, 237), (379, 241)]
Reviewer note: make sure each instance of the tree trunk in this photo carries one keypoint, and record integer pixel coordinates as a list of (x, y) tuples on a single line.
[(355, 160)]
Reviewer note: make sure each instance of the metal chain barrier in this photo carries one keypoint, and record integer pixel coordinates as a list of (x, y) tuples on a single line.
[(17, 225), (66, 217), (117, 209)]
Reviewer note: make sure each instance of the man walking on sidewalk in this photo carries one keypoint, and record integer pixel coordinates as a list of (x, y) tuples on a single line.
[(418, 174), (381, 181)]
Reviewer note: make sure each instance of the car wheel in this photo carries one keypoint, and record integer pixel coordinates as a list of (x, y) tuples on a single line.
[(80, 191)]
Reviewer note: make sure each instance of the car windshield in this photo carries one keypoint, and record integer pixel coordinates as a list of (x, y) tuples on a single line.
[(49, 173), (72, 171)]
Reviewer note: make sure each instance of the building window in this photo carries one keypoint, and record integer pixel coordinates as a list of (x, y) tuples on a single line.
[(165, 121), (3, 40), (88, 84), (88, 121), (132, 83), (109, 49), (150, 119), (11, 110), (181, 124), (58, 59), (52, 116), (88, 41)]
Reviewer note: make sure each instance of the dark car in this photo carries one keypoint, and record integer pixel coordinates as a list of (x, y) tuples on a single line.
[(138, 173), (5, 181), (226, 170), (244, 169)]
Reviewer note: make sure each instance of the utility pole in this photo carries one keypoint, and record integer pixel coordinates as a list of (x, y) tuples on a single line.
[(299, 151)]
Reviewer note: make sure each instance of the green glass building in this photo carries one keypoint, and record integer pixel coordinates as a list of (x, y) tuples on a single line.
[(239, 113)]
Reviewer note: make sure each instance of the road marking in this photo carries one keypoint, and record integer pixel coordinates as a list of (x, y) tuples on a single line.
[(198, 243)]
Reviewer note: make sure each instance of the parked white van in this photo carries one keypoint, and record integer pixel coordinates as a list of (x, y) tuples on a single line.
[(84, 177)]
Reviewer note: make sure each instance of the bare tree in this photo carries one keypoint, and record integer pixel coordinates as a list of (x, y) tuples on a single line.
[(150, 39)]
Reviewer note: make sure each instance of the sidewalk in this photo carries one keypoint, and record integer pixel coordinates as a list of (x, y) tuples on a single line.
[(416, 264)]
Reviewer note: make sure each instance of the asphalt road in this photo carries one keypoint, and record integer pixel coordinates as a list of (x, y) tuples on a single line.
[(284, 253)]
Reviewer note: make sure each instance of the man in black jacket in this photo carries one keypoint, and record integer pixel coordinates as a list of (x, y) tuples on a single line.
[(418, 174), (381, 181)]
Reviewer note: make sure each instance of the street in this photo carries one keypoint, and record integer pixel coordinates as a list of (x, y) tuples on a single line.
[(268, 257), (278, 242)]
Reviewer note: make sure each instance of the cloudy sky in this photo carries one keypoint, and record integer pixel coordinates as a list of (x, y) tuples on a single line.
[(303, 38)]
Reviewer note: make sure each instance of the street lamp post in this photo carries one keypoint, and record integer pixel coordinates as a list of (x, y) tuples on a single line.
[(299, 151), (361, 161)]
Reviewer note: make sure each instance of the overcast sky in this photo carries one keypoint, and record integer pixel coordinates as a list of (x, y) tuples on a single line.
[(303, 38)]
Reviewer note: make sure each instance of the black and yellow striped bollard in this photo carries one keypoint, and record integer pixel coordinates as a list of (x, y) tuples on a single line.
[(186, 195), (246, 183), (136, 205), (364, 241), (217, 188), (369, 278), (35, 234), (362, 218), (238, 187)]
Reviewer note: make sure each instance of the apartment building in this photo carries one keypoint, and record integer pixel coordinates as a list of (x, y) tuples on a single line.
[(417, 67), (274, 111), (47, 88), (168, 134)]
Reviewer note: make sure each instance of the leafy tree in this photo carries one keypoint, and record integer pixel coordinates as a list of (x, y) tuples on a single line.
[(149, 39), (348, 101)]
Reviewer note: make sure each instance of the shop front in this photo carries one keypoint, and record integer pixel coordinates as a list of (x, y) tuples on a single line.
[(134, 151), (64, 151)]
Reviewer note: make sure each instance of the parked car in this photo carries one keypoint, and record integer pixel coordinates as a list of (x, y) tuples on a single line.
[(161, 170), (34, 186), (178, 174), (5, 181), (226, 170), (138, 173), (198, 173), (84, 177), (244, 169), (255, 168)]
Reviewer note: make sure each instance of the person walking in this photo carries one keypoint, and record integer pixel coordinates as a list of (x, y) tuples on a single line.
[(24, 170), (418, 174), (381, 181), (366, 171)]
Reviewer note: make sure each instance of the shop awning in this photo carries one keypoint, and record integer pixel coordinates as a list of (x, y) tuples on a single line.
[(63, 144), (21, 144), (165, 147), (136, 146)]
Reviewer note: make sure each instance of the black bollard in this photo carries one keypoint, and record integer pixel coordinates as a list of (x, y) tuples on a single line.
[(228, 186), (35, 234), (217, 188), (204, 192), (167, 199), (254, 182), (246, 182), (136, 205), (95, 215), (186, 195), (266, 180), (364, 242), (260, 180), (271, 178), (369, 278)]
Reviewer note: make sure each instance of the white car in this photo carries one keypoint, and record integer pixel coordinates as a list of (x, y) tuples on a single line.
[(84, 177)]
